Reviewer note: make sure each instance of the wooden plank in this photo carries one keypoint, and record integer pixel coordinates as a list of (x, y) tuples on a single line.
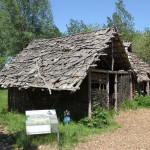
[(131, 87), (148, 88), (107, 88), (109, 71), (112, 64), (9, 100), (116, 94), (89, 95)]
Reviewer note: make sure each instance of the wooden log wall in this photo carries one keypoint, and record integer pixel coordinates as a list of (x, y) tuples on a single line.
[(18, 100), (99, 91), (36, 99), (123, 88)]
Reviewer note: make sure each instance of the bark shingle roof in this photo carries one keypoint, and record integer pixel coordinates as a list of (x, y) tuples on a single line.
[(141, 68), (59, 63)]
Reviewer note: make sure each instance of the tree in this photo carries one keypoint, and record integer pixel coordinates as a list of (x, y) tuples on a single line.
[(76, 26), (21, 21), (141, 45), (123, 20)]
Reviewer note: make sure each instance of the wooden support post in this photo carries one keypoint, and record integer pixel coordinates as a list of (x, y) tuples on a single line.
[(116, 94), (147, 87), (9, 100), (107, 88), (112, 53), (89, 95), (131, 87)]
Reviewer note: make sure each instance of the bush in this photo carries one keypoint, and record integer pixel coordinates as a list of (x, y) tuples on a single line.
[(142, 101), (128, 104), (139, 101), (100, 118)]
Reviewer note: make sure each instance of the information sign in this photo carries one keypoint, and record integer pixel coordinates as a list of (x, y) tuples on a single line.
[(41, 122)]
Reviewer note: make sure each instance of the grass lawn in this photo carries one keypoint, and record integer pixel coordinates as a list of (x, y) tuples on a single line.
[(14, 123)]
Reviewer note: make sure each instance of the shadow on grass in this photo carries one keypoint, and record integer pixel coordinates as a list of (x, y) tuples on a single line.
[(9, 141), (5, 141)]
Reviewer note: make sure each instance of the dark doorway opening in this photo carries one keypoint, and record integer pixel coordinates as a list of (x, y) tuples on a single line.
[(111, 90), (145, 88)]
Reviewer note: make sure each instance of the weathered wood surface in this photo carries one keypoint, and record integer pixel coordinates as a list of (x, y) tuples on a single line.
[(147, 88), (62, 62), (89, 95), (141, 68), (116, 93)]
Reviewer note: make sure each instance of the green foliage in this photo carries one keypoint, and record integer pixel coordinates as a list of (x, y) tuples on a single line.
[(128, 104), (21, 22), (100, 118), (139, 101), (141, 45), (93, 27), (123, 20), (76, 26), (142, 101)]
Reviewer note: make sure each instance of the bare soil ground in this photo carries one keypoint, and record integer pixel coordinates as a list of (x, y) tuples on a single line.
[(134, 134)]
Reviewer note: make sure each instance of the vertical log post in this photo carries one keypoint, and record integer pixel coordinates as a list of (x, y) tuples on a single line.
[(9, 100), (131, 87), (107, 88), (89, 95), (116, 94), (112, 53), (147, 87)]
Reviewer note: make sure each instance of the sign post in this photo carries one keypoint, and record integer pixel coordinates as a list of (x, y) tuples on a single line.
[(67, 118), (41, 122)]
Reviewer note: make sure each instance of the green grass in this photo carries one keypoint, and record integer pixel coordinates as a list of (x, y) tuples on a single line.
[(139, 101), (8, 119), (128, 104), (142, 101), (15, 124)]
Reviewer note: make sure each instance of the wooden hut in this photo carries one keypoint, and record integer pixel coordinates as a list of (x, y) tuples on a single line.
[(140, 72), (71, 72)]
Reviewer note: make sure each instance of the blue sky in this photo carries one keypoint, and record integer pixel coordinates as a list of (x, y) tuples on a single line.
[(96, 11)]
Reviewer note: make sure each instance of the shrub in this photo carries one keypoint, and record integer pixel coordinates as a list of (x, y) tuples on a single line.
[(128, 104), (100, 118), (142, 101)]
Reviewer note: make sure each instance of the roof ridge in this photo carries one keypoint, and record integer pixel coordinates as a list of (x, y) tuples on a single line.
[(73, 34)]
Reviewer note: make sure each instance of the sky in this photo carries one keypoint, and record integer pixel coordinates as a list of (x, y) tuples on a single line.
[(97, 11)]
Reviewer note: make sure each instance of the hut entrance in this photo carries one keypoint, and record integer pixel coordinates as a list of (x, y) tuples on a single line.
[(111, 90), (145, 88)]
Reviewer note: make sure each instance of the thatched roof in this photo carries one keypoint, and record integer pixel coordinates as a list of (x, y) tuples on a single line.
[(59, 64), (141, 68)]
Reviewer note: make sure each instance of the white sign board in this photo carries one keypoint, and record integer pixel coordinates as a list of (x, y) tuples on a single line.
[(41, 122)]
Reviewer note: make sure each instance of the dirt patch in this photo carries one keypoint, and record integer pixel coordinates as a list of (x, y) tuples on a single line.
[(4, 142), (134, 134)]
